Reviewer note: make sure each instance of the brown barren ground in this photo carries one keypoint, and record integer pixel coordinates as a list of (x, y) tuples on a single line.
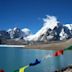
[(52, 46)]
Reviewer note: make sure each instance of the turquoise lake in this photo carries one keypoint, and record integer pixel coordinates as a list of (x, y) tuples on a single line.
[(12, 59)]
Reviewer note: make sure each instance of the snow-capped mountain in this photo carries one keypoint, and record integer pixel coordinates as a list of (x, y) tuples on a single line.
[(18, 33), (49, 23), (52, 29), (26, 32), (14, 33), (66, 31)]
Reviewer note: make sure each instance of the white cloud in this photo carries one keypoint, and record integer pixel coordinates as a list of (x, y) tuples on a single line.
[(50, 21)]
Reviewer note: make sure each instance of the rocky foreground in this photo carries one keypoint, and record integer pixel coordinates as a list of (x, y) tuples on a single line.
[(66, 69)]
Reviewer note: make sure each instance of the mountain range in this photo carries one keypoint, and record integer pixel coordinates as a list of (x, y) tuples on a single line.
[(51, 30)]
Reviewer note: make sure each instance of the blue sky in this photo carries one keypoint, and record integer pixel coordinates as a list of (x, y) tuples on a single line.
[(29, 13)]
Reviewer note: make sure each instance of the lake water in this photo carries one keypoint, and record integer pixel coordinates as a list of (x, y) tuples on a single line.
[(13, 58)]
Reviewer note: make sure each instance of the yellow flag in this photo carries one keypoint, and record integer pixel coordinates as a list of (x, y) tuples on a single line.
[(22, 69)]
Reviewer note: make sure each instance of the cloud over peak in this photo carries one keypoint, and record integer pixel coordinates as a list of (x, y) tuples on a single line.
[(50, 22)]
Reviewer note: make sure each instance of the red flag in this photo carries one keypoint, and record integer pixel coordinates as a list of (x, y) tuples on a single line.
[(58, 53), (1, 70)]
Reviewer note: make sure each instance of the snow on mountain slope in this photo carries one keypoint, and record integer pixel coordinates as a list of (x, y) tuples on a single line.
[(14, 33), (10, 31), (18, 33), (63, 35), (26, 32), (49, 23), (51, 30), (69, 26)]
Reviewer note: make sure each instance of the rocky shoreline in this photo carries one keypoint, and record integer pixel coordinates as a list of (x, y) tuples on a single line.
[(39, 45), (66, 69)]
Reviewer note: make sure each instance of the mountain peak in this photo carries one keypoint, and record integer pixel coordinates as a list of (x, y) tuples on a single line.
[(51, 30), (50, 22)]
